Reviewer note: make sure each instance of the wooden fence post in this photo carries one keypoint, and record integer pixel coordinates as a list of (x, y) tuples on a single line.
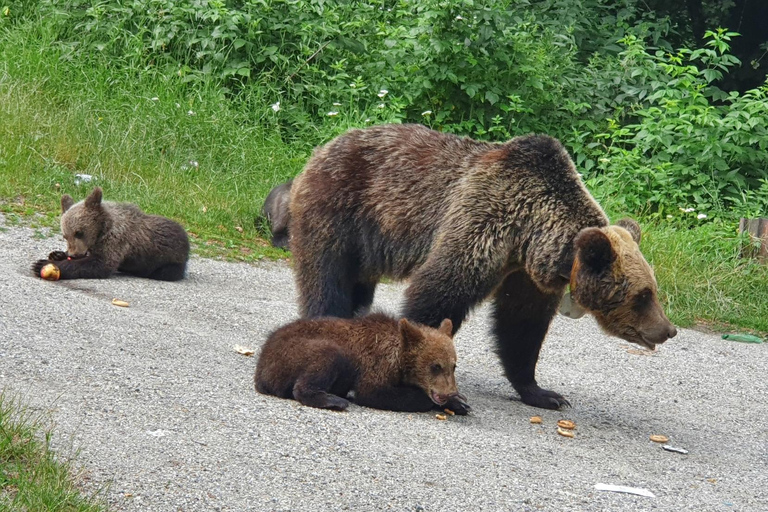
[(758, 230)]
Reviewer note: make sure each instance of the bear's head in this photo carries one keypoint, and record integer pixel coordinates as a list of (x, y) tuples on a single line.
[(429, 359), (611, 280), (83, 224)]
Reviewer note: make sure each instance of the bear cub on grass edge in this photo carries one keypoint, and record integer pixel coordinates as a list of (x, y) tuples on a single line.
[(389, 364), (104, 237)]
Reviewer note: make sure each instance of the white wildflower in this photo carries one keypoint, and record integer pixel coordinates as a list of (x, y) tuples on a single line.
[(367, 120), (459, 18), (332, 113), (669, 217), (190, 113), (380, 105), (336, 104), (382, 93), (275, 106), (426, 113), (687, 210), (701, 216), (194, 163)]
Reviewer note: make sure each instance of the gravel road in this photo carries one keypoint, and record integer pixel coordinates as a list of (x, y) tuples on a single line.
[(164, 415)]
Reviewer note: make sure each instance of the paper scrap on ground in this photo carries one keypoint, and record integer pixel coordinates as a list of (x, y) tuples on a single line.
[(622, 488), (244, 350)]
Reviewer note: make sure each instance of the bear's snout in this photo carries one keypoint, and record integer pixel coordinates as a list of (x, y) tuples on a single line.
[(659, 334)]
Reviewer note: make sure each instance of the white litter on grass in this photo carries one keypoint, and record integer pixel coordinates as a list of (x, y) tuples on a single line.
[(83, 178), (622, 488)]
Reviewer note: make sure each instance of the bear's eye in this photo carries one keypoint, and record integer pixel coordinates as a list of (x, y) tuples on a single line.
[(436, 368), (78, 234), (642, 299)]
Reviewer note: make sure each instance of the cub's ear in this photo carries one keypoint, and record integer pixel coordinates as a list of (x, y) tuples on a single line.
[(633, 227), (446, 327), (94, 199), (593, 249), (66, 202), (411, 334)]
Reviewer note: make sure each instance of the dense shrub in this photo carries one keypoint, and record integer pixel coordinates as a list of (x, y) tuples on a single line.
[(646, 123)]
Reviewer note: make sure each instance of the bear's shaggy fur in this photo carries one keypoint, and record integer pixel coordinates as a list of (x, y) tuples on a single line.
[(104, 237), (276, 211), (466, 220), (388, 364)]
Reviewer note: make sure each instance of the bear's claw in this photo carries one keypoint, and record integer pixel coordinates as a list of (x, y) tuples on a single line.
[(57, 256), (543, 398), (458, 404), (38, 266)]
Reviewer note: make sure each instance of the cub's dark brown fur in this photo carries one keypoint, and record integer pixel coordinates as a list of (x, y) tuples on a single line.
[(467, 220), (104, 237), (391, 365), (276, 211)]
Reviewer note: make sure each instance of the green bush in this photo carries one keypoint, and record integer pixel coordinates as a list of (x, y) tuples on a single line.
[(679, 141)]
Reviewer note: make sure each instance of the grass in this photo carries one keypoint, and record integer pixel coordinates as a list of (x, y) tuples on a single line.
[(188, 155), (32, 478), (705, 281)]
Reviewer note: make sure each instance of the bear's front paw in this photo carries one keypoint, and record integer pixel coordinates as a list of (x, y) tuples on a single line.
[(57, 256), (38, 266), (458, 404), (544, 398)]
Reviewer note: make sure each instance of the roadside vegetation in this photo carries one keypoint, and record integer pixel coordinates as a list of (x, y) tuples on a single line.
[(32, 477), (196, 110)]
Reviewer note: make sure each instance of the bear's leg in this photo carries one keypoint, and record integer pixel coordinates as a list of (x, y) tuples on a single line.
[(447, 287), (522, 314), (169, 272), (362, 297), (87, 267), (325, 382), (325, 284), (396, 398)]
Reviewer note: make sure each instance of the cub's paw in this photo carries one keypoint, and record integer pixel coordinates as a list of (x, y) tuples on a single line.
[(57, 256), (543, 398), (458, 404), (38, 266)]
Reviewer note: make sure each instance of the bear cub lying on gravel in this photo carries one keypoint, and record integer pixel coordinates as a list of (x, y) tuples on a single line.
[(389, 364), (105, 237)]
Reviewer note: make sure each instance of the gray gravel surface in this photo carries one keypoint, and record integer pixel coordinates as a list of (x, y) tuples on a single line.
[(164, 415)]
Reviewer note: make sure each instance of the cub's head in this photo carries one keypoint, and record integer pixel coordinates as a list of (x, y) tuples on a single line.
[(83, 224), (611, 279), (430, 359)]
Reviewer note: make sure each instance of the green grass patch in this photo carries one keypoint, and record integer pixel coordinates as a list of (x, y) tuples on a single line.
[(189, 155), (703, 278), (32, 477)]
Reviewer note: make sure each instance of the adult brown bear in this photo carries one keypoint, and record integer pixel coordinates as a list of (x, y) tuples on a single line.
[(467, 220)]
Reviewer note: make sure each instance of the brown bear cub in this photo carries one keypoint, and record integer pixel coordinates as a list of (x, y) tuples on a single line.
[(466, 220), (399, 366), (104, 237), (276, 211)]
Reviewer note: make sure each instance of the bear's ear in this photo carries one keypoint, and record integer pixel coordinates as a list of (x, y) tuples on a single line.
[(446, 327), (412, 335), (593, 249), (633, 227), (66, 202), (94, 199)]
